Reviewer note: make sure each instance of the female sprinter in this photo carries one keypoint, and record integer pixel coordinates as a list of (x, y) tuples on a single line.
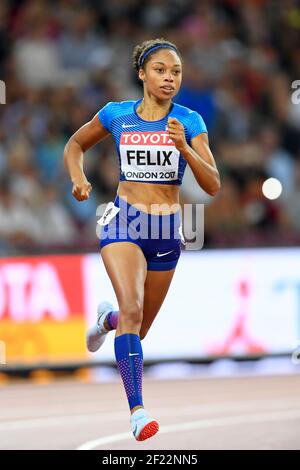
[(155, 139)]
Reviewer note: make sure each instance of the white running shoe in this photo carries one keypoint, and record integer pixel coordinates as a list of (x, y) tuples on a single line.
[(96, 335), (142, 426)]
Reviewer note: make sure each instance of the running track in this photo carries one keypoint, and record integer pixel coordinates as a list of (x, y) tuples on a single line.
[(261, 412)]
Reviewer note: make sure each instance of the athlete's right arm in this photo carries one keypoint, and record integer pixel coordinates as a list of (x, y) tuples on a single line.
[(88, 135)]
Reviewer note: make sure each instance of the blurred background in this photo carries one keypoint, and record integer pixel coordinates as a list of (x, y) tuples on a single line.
[(239, 296), (63, 60)]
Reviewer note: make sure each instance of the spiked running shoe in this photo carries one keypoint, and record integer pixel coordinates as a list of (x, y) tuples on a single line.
[(142, 426), (96, 335)]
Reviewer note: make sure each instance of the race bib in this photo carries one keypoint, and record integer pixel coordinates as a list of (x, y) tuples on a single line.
[(148, 156), (110, 211)]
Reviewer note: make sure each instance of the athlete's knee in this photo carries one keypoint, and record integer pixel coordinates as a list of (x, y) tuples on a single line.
[(131, 313)]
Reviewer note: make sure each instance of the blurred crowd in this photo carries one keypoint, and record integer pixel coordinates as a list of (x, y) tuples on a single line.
[(62, 60)]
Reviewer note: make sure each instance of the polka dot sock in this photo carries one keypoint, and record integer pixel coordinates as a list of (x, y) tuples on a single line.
[(129, 356)]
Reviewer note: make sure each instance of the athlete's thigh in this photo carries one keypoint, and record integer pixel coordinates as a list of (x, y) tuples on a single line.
[(155, 290), (126, 267)]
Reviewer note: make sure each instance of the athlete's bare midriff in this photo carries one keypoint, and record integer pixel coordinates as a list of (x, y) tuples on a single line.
[(151, 196)]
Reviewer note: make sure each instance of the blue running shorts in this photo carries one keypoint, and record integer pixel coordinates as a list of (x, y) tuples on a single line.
[(158, 236)]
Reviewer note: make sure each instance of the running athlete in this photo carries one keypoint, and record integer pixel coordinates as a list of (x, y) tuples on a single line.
[(155, 139)]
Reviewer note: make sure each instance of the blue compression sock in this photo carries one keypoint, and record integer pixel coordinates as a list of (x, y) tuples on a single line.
[(129, 356)]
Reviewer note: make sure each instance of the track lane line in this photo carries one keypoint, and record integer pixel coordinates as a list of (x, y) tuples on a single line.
[(200, 424)]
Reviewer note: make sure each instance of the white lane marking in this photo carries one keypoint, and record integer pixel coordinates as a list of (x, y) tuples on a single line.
[(67, 420), (106, 440), (59, 421), (203, 423)]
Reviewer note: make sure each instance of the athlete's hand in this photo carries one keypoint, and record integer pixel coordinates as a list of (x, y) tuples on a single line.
[(81, 190), (176, 133)]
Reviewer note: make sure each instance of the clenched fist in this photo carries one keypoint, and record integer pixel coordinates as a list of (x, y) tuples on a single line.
[(81, 190), (176, 133)]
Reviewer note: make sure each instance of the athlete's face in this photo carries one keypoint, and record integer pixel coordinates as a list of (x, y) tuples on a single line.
[(163, 74)]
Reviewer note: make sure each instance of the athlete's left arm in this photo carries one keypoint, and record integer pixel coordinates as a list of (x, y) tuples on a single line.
[(198, 155)]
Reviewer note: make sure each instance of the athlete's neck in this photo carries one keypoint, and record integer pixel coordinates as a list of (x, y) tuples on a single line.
[(153, 110)]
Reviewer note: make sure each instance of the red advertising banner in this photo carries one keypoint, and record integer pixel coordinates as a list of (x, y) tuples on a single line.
[(41, 308)]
